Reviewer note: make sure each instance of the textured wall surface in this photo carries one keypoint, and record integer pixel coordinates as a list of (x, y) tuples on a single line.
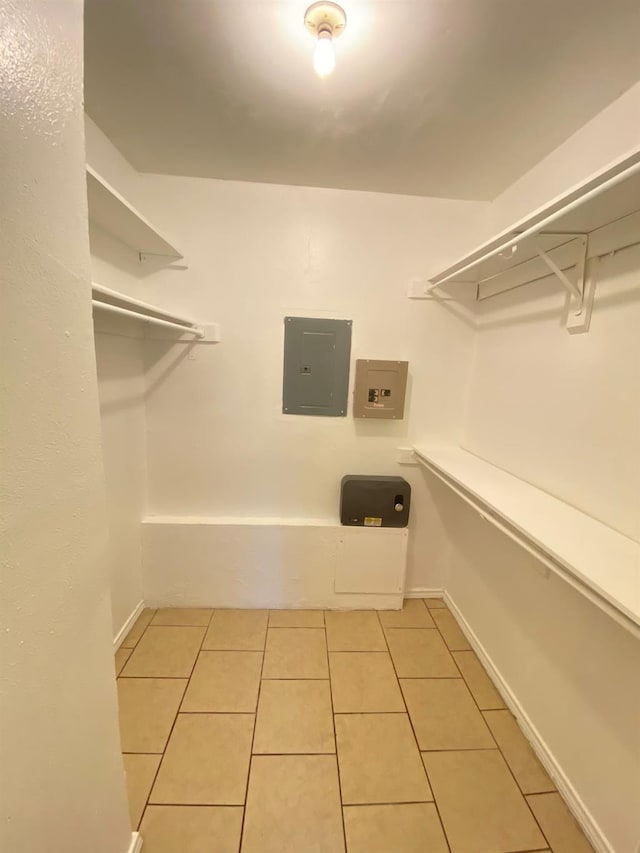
[(61, 776)]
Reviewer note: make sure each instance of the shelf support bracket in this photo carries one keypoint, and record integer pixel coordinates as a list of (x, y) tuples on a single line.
[(150, 257), (579, 293), (565, 281)]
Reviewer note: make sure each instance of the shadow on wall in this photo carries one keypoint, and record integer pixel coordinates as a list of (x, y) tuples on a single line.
[(116, 253), (129, 363), (500, 587), (524, 297)]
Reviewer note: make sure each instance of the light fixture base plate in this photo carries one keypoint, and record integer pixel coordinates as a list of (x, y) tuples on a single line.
[(325, 15)]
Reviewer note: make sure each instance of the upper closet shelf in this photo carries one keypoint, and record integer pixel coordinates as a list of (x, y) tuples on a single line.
[(113, 213), (598, 561), (112, 302), (593, 219)]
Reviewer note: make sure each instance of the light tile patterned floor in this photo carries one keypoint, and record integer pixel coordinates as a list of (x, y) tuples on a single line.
[(303, 731)]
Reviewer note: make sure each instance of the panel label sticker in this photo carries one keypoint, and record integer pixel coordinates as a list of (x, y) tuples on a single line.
[(370, 521)]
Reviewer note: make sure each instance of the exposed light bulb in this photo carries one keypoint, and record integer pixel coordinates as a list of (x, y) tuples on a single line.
[(324, 58)]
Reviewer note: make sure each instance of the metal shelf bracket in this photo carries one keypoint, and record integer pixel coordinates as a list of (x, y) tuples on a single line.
[(579, 292), (155, 257), (573, 288)]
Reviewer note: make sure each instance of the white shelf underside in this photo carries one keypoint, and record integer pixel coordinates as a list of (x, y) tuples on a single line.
[(115, 215), (601, 563)]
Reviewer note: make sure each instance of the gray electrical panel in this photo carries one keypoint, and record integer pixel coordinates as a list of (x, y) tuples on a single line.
[(316, 366)]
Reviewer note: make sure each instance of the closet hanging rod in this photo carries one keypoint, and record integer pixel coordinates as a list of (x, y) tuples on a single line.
[(131, 302), (144, 318)]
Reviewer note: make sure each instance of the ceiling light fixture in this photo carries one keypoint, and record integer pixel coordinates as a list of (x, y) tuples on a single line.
[(325, 21)]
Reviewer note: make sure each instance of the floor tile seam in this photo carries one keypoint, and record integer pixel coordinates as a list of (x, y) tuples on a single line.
[(435, 628), (533, 814), (218, 713), (361, 713), (444, 639), (357, 651), (503, 756), (453, 678), (130, 752), (431, 788), (469, 691), (305, 678), (196, 806), (506, 761), (295, 678), (253, 738), (154, 677), (175, 720), (208, 649), (208, 804), (306, 754), (355, 713), (335, 740), (432, 678), (519, 789), (461, 749), (390, 803), (135, 645)]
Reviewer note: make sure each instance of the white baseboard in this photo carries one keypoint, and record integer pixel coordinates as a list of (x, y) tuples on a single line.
[(423, 592), (574, 802), (136, 843), (128, 625)]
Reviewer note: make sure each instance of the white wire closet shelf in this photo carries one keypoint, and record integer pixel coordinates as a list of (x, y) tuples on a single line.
[(115, 215), (595, 218), (113, 302), (599, 562)]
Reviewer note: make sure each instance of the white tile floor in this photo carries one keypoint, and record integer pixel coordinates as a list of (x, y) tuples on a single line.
[(249, 731)]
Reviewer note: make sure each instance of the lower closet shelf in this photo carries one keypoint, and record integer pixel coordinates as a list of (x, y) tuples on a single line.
[(598, 561), (113, 302)]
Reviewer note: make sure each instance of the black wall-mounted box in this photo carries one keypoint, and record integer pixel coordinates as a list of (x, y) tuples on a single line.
[(370, 501)]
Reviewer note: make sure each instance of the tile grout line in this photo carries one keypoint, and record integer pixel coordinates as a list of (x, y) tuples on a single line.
[(261, 679), (335, 739), (144, 630), (253, 736), (175, 720), (508, 766), (433, 793)]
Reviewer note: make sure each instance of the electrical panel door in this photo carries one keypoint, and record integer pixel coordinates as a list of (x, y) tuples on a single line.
[(316, 366)]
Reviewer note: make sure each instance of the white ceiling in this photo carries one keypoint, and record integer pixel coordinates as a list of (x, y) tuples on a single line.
[(453, 98)]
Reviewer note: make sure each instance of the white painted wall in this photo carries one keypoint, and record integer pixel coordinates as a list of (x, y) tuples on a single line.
[(121, 386), (218, 443), (61, 777), (571, 669), (611, 134), (562, 412)]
